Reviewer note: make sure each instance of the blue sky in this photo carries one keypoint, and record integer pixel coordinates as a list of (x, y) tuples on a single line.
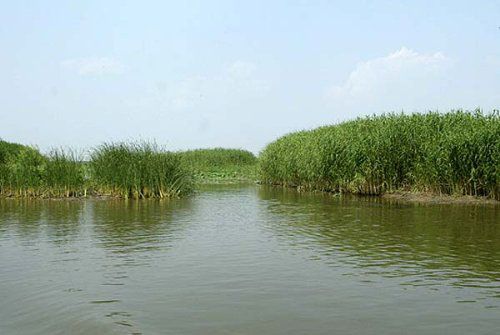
[(194, 74)]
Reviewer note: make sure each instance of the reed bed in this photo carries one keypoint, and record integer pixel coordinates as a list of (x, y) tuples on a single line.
[(218, 157), (138, 170), (24, 171), (451, 153), (221, 165), (128, 170), (64, 174)]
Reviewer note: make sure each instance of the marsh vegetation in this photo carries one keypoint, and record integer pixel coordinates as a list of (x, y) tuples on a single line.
[(24, 171), (221, 165), (127, 170), (138, 170), (456, 153), (452, 153)]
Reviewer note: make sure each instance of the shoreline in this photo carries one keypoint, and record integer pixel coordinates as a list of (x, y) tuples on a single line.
[(438, 199), (402, 196), (398, 196)]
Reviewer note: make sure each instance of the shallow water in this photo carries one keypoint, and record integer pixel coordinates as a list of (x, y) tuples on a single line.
[(248, 260)]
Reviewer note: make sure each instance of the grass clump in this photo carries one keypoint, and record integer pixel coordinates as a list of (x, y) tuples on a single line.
[(8, 150), (138, 170), (135, 170), (451, 153), (24, 171), (64, 174), (221, 165)]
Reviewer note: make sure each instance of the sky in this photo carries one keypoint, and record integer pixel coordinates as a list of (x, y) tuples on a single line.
[(191, 74)]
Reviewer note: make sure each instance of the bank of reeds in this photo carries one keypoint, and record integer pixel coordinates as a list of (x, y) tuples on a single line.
[(24, 171), (221, 165), (451, 153), (128, 170), (138, 170)]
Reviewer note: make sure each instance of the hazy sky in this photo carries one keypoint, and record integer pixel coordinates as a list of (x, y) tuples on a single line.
[(234, 73)]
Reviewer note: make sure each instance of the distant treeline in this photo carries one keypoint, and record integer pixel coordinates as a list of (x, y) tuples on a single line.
[(452, 153), (129, 170)]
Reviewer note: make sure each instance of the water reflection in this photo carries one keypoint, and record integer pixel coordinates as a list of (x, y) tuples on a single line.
[(29, 219), (119, 226), (130, 226), (55, 252), (244, 259), (421, 244)]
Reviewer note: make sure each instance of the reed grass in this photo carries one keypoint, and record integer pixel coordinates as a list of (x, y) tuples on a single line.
[(138, 170), (221, 165), (64, 174), (452, 153), (129, 170), (218, 157), (24, 171)]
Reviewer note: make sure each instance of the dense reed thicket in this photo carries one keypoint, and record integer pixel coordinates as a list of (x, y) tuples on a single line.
[(24, 171), (220, 164), (128, 170), (8, 150), (136, 170), (452, 153), (218, 157)]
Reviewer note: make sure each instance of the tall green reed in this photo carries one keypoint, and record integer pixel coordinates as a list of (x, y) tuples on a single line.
[(217, 158), (452, 153), (138, 170), (24, 171)]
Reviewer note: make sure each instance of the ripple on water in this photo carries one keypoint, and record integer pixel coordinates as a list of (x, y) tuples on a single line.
[(248, 260)]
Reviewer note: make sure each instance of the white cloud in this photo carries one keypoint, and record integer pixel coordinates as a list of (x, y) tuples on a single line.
[(93, 66), (402, 79)]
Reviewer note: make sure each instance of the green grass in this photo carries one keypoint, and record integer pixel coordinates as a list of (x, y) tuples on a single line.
[(24, 171), (64, 174), (128, 170), (7, 150), (221, 165), (138, 170), (452, 153), (456, 153)]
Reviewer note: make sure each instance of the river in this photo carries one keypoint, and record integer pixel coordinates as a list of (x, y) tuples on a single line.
[(246, 259)]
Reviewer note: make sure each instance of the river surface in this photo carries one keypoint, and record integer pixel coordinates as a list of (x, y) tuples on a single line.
[(248, 260)]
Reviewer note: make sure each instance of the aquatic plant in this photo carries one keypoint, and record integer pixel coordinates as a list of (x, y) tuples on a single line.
[(451, 153), (24, 171), (64, 174), (138, 170), (220, 164), (8, 149), (218, 157)]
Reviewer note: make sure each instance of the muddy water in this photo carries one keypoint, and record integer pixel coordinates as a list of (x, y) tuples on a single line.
[(248, 260)]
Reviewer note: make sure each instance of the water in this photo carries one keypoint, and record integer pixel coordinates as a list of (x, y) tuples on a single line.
[(248, 260)]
